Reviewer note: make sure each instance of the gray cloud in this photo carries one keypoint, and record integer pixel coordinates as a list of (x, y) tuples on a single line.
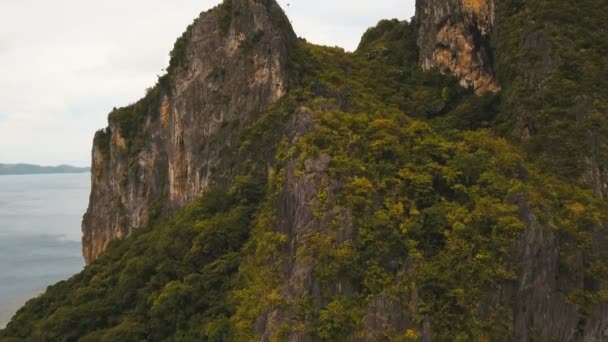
[(71, 61)]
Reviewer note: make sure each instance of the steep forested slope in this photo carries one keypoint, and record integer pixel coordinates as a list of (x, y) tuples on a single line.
[(372, 201), (551, 58)]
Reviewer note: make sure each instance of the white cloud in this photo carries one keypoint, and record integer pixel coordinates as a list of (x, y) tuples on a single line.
[(65, 63)]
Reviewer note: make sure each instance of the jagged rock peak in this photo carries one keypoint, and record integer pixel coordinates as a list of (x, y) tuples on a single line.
[(163, 152), (454, 36), (265, 13)]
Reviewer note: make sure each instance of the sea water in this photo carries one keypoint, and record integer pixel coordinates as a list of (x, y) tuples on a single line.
[(40, 234)]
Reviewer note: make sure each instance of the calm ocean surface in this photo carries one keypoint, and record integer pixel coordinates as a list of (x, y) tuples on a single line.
[(39, 234)]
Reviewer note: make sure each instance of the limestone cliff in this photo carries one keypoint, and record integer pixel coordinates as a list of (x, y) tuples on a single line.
[(161, 153), (454, 36), (297, 192)]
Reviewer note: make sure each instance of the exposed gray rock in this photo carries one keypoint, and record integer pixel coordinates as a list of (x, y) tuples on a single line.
[(317, 165), (234, 69)]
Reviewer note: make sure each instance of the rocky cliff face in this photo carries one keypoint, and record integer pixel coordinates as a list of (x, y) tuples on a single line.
[(339, 213), (538, 300), (227, 69), (454, 36)]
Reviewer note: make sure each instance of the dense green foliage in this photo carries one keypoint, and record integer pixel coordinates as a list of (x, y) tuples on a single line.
[(434, 198), (434, 215), (560, 102), (168, 281), (436, 204)]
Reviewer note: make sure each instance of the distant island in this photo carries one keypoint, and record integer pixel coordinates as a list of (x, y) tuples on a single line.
[(29, 169)]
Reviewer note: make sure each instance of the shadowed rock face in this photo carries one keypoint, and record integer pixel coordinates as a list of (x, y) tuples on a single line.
[(537, 299), (454, 36), (232, 70)]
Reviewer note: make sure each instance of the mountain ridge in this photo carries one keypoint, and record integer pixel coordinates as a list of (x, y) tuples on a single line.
[(32, 169)]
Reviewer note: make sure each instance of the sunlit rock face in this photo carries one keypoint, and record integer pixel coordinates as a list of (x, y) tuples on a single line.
[(232, 69), (454, 36)]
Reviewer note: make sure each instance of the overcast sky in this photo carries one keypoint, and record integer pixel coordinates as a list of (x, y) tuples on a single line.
[(65, 63)]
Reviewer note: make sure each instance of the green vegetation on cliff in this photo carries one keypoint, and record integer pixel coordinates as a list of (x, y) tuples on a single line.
[(420, 204), (169, 279), (551, 58)]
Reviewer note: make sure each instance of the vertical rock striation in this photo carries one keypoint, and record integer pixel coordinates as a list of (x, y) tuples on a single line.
[(161, 153), (538, 300), (454, 36)]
